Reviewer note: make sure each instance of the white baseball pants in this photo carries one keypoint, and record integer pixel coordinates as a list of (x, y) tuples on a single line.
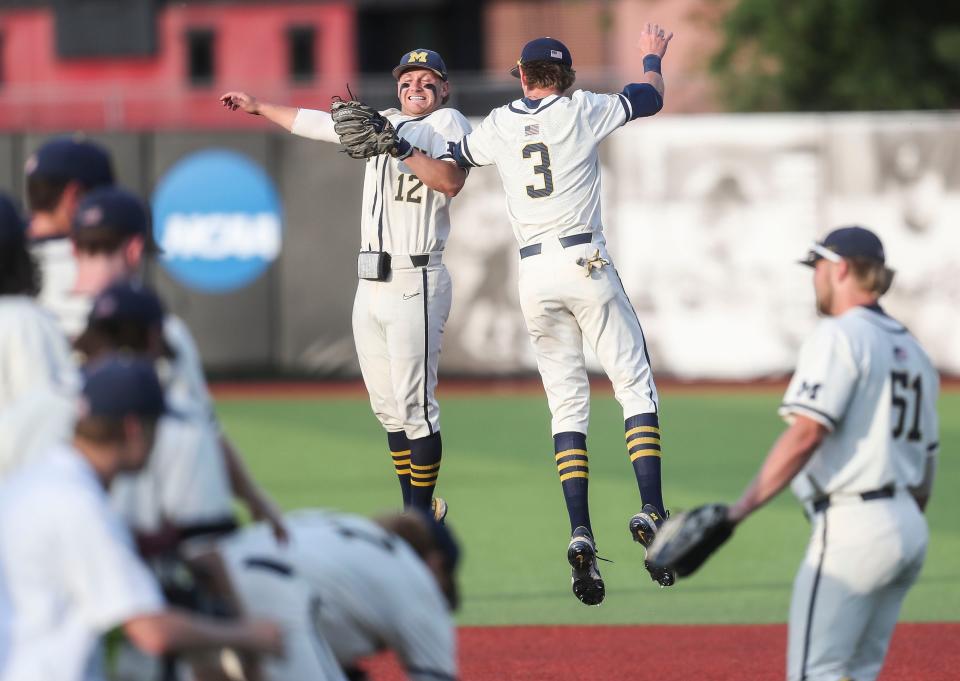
[(564, 307), (862, 558), (397, 327)]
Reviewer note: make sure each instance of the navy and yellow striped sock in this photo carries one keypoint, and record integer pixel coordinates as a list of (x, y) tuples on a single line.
[(572, 465), (643, 447), (400, 451), (425, 454)]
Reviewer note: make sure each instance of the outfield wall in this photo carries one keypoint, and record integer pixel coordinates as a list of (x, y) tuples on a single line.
[(704, 216)]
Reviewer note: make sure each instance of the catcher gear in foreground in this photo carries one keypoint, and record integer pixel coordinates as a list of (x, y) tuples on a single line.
[(686, 540), (364, 132)]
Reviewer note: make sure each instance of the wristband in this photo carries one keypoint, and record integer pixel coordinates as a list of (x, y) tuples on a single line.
[(403, 149), (651, 62)]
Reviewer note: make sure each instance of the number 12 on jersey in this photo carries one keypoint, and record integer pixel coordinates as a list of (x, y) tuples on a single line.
[(414, 184), (542, 168)]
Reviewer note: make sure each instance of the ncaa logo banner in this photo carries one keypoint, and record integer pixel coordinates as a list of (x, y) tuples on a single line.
[(216, 216)]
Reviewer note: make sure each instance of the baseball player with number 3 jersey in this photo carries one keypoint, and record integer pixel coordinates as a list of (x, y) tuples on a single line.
[(860, 454), (544, 146), (404, 294)]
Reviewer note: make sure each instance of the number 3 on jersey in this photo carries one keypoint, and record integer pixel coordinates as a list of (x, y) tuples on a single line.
[(543, 168)]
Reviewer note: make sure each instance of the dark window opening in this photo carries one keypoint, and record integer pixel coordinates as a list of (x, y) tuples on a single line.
[(301, 53), (200, 66)]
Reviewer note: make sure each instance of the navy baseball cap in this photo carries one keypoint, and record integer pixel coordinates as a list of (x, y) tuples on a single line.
[(846, 242), (12, 226), (543, 49), (122, 385), (421, 59), (127, 301), (113, 208), (69, 158)]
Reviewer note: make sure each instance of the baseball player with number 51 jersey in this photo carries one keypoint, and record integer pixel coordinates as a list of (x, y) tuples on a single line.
[(544, 146), (860, 454), (404, 294)]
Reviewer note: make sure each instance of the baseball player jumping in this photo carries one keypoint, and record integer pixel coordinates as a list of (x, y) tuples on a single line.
[(861, 453), (545, 148), (404, 294)]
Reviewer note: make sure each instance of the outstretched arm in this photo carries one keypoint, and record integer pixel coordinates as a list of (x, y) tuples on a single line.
[(310, 123), (653, 45), (283, 116), (787, 457), (646, 97)]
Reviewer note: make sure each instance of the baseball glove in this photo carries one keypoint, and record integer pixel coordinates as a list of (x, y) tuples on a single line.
[(363, 131), (685, 541)]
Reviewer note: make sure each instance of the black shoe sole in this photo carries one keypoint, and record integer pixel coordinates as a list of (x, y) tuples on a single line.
[(587, 589), (661, 576)]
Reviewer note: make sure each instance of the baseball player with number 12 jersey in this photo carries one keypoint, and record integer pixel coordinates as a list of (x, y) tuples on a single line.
[(404, 295), (860, 452)]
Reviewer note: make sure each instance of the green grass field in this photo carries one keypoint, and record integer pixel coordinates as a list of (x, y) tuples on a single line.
[(507, 508)]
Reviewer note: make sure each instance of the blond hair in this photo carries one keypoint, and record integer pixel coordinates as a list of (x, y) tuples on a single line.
[(872, 275)]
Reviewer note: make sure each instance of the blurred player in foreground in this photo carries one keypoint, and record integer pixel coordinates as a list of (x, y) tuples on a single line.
[(861, 454), (35, 363), (184, 489), (404, 294), (68, 570), (58, 175), (545, 148), (346, 587), (111, 238), (182, 495)]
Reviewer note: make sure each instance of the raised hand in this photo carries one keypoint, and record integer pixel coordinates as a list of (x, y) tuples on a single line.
[(654, 40)]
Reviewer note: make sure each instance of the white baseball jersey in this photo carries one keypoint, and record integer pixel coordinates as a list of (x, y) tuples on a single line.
[(548, 148), (343, 589), (58, 268), (400, 214), (68, 572), (398, 323), (868, 381), (185, 482), (546, 153), (864, 377), (33, 351)]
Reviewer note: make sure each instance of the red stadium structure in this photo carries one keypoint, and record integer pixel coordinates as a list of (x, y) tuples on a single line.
[(154, 65)]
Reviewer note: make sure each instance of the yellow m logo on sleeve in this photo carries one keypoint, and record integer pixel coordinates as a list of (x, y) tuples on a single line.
[(417, 57)]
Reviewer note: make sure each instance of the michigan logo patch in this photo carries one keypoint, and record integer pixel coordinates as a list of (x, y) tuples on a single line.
[(420, 57)]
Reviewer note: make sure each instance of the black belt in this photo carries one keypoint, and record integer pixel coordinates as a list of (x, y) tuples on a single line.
[(823, 503), (420, 260), (566, 242)]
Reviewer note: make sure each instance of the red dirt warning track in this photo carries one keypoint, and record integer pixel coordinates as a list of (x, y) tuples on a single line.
[(919, 652)]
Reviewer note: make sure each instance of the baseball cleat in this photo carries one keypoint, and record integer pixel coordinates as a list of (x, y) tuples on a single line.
[(643, 528), (582, 556), (439, 509)]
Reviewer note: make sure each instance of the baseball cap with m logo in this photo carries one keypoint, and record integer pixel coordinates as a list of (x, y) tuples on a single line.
[(421, 59)]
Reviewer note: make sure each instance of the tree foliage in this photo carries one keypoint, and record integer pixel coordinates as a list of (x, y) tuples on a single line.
[(837, 55)]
